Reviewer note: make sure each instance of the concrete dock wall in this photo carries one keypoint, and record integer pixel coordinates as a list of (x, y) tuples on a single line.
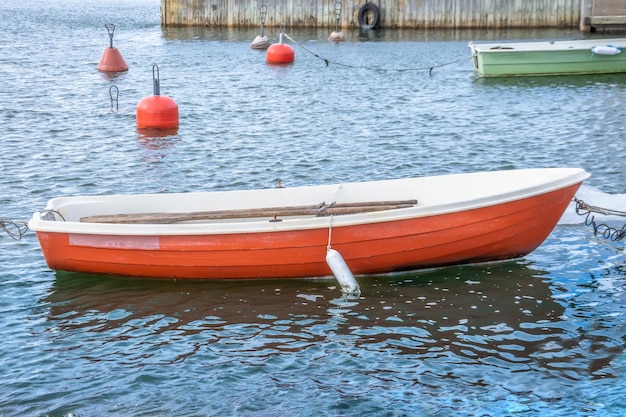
[(393, 14)]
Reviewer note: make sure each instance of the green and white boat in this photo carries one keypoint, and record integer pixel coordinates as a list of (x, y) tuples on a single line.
[(589, 56)]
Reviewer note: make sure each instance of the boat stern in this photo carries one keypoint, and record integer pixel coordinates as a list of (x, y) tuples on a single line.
[(476, 58)]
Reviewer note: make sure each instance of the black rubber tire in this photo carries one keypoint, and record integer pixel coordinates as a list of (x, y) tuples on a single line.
[(364, 11)]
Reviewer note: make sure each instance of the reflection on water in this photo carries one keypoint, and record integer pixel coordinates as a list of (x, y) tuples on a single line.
[(146, 136), (495, 326), (615, 82), (372, 35), (475, 297)]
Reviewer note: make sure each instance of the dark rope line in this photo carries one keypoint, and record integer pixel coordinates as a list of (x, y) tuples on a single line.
[(17, 230), (328, 62), (603, 229)]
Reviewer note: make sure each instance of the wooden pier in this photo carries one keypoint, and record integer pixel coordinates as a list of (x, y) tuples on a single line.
[(604, 15), (392, 14)]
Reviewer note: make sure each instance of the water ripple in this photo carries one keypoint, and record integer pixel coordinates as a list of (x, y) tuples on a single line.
[(542, 335)]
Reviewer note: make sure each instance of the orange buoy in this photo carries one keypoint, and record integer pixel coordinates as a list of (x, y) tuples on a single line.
[(280, 53), (157, 111), (112, 60)]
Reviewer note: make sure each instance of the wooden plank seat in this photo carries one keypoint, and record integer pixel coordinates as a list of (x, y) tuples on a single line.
[(274, 213)]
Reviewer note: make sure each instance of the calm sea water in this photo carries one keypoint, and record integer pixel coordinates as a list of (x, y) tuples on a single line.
[(543, 335)]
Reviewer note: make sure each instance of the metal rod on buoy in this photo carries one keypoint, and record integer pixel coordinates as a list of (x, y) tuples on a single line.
[(156, 82), (114, 100), (263, 12), (341, 271), (111, 29)]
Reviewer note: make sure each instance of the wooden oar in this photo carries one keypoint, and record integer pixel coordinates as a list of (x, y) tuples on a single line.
[(195, 215), (324, 206), (272, 212)]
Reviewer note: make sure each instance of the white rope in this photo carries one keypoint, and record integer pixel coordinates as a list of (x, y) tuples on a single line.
[(332, 199), (330, 230), (330, 204)]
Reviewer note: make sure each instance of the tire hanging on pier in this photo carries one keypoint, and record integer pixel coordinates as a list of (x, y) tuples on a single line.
[(369, 16)]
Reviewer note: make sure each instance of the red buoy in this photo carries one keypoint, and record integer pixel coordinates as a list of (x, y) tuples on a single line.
[(280, 53), (112, 60), (157, 111)]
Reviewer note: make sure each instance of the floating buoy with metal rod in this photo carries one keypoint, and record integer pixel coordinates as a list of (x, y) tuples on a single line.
[(261, 41), (112, 60), (337, 35), (369, 16), (280, 53), (347, 282), (157, 111)]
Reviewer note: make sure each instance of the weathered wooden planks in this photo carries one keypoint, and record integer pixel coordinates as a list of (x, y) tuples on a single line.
[(269, 212), (405, 14)]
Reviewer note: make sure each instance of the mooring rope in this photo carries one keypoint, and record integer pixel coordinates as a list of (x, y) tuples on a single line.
[(330, 231), (17, 229), (328, 62), (603, 229), (14, 229), (330, 222)]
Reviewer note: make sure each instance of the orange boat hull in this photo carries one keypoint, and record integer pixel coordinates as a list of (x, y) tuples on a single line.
[(503, 231)]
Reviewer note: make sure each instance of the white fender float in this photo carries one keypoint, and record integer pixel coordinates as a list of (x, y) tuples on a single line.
[(348, 283), (606, 50)]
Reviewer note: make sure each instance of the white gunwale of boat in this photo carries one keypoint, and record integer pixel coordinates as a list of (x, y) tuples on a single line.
[(545, 46), (435, 195)]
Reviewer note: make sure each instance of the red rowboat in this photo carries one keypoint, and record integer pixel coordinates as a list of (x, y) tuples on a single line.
[(377, 226)]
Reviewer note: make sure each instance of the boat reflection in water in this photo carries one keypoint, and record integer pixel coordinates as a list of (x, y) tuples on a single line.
[(415, 312), (496, 328)]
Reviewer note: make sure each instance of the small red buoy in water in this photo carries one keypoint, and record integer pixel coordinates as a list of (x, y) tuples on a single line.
[(280, 53), (112, 60), (157, 111)]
